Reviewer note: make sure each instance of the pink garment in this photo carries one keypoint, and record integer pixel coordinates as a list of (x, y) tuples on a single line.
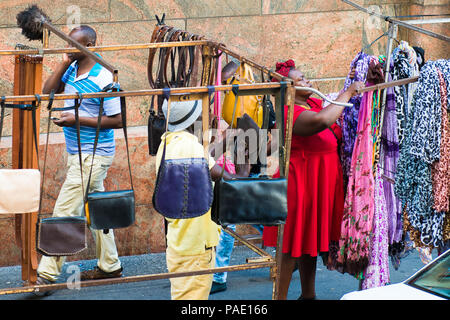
[(229, 165), (217, 94), (356, 227), (377, 272)]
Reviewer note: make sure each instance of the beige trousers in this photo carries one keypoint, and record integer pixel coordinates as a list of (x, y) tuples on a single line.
[(70, 203), (193, 287)]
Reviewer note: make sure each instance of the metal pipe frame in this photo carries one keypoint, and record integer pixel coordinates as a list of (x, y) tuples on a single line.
[(120, 47), (400, 23)]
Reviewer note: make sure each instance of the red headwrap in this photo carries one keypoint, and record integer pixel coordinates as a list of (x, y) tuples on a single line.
[(283, 68)]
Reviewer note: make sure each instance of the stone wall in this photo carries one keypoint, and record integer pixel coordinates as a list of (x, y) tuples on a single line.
[(322, 37)]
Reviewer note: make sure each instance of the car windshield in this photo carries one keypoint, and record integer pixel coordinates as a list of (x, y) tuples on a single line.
[(435, 278)]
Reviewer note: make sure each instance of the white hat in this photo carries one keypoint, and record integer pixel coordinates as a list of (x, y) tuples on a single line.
[(182, 113)]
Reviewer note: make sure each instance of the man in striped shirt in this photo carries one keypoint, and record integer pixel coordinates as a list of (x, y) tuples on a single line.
[(80, 73)]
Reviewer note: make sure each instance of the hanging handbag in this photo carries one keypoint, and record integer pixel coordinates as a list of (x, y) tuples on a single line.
[(251, 105), (183, 187), (110, 209), (156, 126), (61, 236), (19, 188), (259, 200)]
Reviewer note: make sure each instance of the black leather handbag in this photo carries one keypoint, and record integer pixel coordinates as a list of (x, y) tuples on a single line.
[(259, 200), (110, 209), (156, 127)]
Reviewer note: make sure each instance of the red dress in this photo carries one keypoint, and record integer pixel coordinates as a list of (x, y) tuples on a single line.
[(315, 193)]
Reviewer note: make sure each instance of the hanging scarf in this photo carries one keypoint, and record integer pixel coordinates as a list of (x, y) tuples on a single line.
[(377, 272), (353, 254), (349, 118), (421, 148), (424, 118), (389, 156), (440, 170), (400, 71)]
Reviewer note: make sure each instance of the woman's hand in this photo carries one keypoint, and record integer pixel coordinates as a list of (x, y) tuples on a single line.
[(354, 87)]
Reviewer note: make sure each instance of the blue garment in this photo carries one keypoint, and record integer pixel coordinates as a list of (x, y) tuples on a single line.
[(93, 81), (224, 250)]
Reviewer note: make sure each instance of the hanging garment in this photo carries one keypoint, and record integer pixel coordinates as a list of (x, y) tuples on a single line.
[(425, 117), (389, 158), (411, 55), (421, 148), (349, 118), (404, 66), (377, 272), (440, 170), (353, 253)]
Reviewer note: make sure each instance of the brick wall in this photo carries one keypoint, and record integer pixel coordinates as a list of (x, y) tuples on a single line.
[(322, 37)]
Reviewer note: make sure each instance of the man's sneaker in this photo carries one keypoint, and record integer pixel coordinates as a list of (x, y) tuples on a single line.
[(218, 287), (98, 273), (42, 281)]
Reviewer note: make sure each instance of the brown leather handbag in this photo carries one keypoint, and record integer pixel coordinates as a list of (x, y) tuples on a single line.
[(61, 236)]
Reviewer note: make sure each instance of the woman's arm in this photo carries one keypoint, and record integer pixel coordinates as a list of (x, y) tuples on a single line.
[(309, 123)]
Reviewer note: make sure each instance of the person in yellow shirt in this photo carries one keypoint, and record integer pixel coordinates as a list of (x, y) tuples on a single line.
[(190, 242)]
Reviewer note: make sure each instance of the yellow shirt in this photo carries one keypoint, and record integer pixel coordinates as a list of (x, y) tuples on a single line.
[(188, 236)]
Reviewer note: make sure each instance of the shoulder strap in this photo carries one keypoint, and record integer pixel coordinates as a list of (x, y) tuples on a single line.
[(2, 115), (97, 133), (158, 35), (77, 122)]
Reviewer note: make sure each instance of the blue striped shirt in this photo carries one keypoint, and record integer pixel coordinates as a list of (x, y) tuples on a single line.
[(93, 81)]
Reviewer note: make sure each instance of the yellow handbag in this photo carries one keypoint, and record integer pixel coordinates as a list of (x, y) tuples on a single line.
[(251, 105)]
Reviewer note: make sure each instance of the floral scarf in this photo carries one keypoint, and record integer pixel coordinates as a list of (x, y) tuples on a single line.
[(349, 118), (377, 272), (353, 253)]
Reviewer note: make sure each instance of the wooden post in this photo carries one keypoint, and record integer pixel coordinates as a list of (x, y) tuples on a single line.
[(27, 80), (276, 270)]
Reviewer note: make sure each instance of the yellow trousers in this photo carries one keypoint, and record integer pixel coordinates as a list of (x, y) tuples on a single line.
[(193, 287), (70, 203)]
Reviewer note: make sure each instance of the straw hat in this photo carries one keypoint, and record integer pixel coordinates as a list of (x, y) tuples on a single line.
[(182, 113)]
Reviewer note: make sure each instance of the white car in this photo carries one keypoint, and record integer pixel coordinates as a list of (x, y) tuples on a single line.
[(432, 282)]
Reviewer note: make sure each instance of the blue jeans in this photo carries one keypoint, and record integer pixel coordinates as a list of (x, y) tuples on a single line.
[(224, 249)]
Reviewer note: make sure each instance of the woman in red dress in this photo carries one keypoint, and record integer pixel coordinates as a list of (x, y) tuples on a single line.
[(315, 185)]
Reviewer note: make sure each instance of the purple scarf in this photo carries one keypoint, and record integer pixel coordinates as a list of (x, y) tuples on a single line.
[(390, 154)]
